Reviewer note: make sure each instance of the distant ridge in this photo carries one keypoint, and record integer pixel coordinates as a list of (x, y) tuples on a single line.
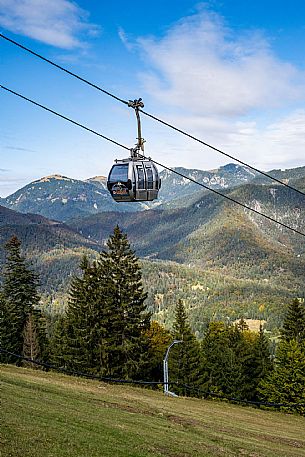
[(62, 198)]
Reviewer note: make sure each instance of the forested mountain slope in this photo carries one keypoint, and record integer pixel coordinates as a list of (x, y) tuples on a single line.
[(173, 234), (54, 248), (220, 259), (62, 198), (58, 197)]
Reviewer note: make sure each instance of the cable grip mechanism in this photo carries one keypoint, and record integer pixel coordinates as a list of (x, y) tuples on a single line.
[(136, 105)]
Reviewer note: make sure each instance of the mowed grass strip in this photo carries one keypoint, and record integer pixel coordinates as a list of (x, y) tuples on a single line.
[(49, 414)]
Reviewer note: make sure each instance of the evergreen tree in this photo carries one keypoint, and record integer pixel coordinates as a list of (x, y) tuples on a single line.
[(256, 361), (286, 383), (224, 356), (185, 357), (262, 356), (294, 322), (19, 297), (235, 360), (104, 327), (126, 317), (78, 336)]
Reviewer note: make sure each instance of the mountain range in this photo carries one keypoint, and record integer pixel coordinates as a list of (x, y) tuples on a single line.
[(62, 198), (220, 259)]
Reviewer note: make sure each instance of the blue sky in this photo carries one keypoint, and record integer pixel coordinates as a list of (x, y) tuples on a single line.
[(229, 72)]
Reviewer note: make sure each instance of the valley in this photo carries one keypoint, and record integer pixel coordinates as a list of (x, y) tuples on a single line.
[(223, 261)]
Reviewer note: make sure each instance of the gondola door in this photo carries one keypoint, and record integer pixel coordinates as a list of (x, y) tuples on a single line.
[(141, 188)]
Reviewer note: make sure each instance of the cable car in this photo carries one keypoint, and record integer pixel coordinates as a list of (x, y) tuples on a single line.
[(136, 178)]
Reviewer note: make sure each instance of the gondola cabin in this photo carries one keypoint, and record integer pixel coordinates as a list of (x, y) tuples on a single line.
[(134, 180)]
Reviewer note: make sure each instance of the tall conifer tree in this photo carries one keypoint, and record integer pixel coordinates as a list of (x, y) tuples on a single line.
[(235, 359), (286, 383), (185, 358), (294, 322), (19, 297), (104, 327), (127, 318)]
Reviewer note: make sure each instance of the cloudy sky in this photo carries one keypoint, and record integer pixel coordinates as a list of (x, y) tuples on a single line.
[(228, 71)]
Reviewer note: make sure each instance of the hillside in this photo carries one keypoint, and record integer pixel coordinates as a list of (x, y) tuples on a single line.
[(223, 261), (289, 175), (78, 417), (54, 248), (62, 198), (241, 263), (213, 232), (210, 295)]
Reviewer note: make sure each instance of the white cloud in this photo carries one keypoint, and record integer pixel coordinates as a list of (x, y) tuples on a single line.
[(61, 23), (203, 67), (279, 144), (227, 88), (124, 39)]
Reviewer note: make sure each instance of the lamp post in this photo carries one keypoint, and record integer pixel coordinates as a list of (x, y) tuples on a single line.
[(165, 368)]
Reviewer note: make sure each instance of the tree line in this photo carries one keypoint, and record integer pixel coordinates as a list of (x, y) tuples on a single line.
[(106, 330)]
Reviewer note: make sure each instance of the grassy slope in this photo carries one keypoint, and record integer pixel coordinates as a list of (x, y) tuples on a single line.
[(46, 414)]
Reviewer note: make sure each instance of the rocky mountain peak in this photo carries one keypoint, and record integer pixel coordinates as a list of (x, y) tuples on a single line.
[(53, 177)]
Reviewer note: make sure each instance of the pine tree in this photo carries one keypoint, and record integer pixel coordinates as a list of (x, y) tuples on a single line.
[(105, 323), (235, 360), (77, 336), (294, 322), (224, 355), (126, 317), (20, 297), (262, 356), (185, 358), (256, 361), (286, 383)]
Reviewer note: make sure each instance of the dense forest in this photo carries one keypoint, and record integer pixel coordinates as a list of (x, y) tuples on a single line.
[(106, 329)]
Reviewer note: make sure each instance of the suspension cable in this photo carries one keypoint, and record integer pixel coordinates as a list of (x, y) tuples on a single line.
[(167, 124), (224, 196), (63, 69), (63, 117), (221, 152), (157, 163), (92, 376)]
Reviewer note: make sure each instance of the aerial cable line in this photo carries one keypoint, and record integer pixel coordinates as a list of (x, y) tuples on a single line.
[(226, 196), (221, 152), (64, 117), (157, 163), (145, 383), (63, 69), (167, 124)]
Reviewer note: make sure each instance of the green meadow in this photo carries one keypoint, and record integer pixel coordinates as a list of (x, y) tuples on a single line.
[(53, 415)]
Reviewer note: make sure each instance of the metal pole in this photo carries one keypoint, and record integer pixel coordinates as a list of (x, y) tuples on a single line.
[(136, 105), (165, 368)]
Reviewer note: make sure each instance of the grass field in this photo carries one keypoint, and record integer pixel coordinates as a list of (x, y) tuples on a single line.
[(47, 414)]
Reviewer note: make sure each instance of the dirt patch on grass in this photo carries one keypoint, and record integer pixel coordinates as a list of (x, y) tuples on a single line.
[(286, 441), (300, 444), (123, 407), (185, 421)]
